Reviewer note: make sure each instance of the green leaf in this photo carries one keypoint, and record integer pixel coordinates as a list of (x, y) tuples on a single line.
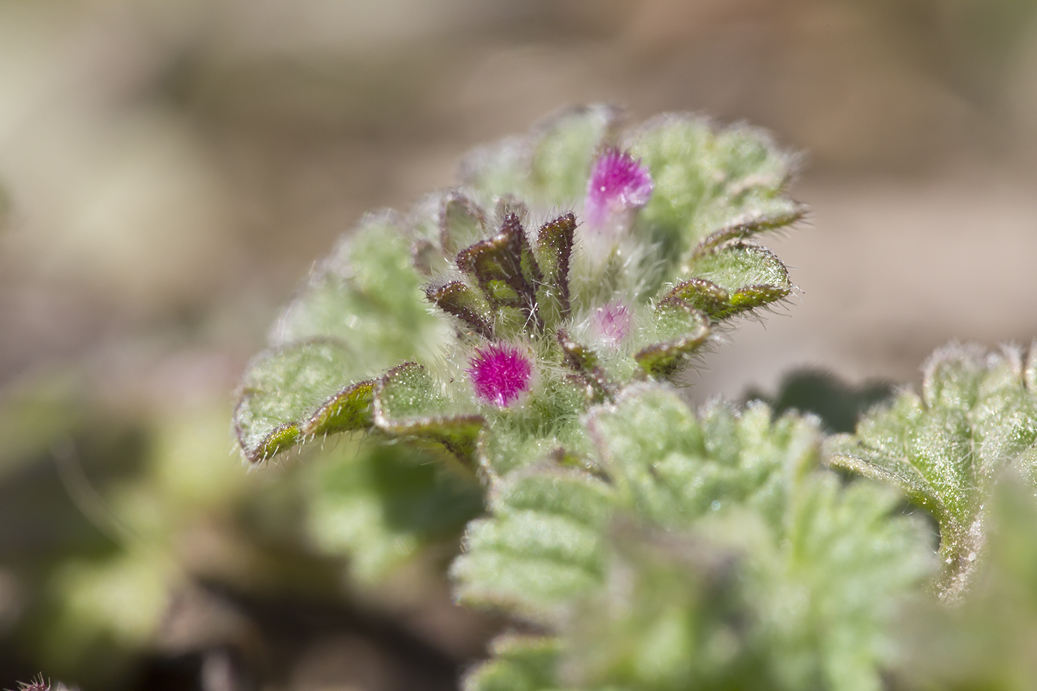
[(409, 402), (504, 267), (457, 299), (380, 504), (768, 572), (674, 466), (549, 167), (946, 448), (585, 363), (985, 642), (520, 663), (543, 547), (707, 180), (733, 277), (299, 391), (368, 295), (554, 251), (680, 331), (461, 223), (566, 145)]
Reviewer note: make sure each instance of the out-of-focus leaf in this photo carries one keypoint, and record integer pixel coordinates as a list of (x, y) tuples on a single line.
[(803, 594), (379, 504), (946, 448)]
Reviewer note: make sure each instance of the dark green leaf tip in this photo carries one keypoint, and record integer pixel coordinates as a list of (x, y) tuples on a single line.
[(457, 299), (347, 411), (584, 361), (691, 331), (753, 225), (407, 404), (554, 245)]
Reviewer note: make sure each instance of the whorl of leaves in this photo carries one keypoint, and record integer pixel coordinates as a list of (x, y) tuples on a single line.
[(505, 257)]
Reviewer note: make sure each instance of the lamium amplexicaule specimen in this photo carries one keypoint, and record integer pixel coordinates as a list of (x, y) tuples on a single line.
[(566, 265)]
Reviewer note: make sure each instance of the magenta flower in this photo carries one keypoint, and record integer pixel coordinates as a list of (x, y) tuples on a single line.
[(618, 183), (500, 374), (612, 323)]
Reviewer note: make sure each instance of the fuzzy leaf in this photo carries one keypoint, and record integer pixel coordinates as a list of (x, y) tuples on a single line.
[(674, 466), (733, 277), (681, 329), (755, 216), (765, 572), (554, 251), (585, 363), (946, 448), (408, 402), (706, 180), (550, 166), (461, 223), (565, 150), (543, 547), (380, 503), (504, 267), (299, 391), (368, 295), (457, 299), (986, 642), (520, 663)]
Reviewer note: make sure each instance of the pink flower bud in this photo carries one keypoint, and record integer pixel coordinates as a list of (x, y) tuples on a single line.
[(612, 323), (500, 374), (618, 183)]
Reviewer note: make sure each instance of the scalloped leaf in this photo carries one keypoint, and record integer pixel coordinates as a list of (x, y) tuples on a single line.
[(519, 663), (703, 175), (299, 391), (549, 166), (369, 295), (565, 147), (544, 546), (733, 277), (683, 330), (946, 448), (674, 466), (752, 217), (808, 573), (409, 402)]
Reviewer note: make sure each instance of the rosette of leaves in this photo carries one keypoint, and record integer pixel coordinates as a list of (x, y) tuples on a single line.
[(567, 264), (947, 447), (704, 551)]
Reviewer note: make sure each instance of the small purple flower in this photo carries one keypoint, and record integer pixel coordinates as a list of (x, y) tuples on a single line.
[(618, 182), (612, 323), (500, 374)]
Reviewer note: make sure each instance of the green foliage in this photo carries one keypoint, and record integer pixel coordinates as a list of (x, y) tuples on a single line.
[(379, 503), (986, 641), (946, 448), (492, 261), (757, 568)]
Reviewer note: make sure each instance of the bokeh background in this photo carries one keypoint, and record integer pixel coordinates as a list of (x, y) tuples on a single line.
[(169, 170)]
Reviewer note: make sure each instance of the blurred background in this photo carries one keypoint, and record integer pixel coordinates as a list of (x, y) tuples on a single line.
[(169, 170)]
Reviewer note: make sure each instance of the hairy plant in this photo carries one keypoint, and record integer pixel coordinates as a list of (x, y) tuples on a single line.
[(505, 357)]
